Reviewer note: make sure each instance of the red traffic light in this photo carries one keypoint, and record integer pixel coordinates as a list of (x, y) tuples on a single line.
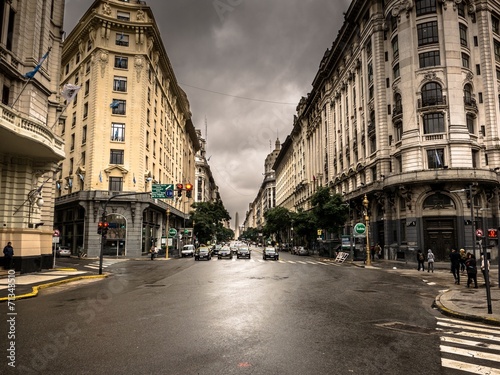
[(492, 233), (179, 186)]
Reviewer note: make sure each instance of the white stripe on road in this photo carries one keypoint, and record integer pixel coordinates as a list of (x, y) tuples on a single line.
[(476, 329), (470, 353), (464, 366), (291, 261), (464, 323), (471, 335), (325, 264), (299, 261), (481, 344)]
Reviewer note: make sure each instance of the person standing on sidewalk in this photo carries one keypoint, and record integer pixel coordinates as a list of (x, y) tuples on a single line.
[(470, 265), (463, 258), (430, 261), (8, 254), (420, 260), (455, 265)]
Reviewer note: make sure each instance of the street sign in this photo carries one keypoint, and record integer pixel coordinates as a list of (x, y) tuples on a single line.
[(359, 230), (56, 233), (172, 232), (479, 232), (162, 191)]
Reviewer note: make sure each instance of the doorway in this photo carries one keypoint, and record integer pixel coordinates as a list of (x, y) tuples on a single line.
[(439, 236)]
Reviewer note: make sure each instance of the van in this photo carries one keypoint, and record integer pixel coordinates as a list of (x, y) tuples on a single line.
[(187, 251)]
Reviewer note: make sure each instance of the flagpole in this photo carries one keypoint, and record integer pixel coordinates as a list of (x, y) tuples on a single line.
[(59, 116), (21, 92)]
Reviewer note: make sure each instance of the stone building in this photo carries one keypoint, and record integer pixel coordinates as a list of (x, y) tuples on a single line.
[(128, 128), (29, 146), (404, 109)]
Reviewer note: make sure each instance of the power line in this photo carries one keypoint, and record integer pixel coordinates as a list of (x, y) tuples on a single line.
[(236, 96)]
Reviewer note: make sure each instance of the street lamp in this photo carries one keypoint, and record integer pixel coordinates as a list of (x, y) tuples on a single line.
[(367, 221), (167, 230)]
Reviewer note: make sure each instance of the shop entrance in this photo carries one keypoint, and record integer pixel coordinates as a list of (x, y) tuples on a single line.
[(439, 236)]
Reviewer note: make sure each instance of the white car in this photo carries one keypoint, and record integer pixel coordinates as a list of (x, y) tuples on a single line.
[(63, 251), (187, 251)]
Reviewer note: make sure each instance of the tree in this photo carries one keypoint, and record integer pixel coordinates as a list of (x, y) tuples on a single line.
[(329, 210), (278, 220), (304, 227), (208, 220)]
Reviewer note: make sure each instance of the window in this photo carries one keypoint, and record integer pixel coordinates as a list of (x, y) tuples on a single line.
[(398, 104), (369, 48), (465, 61), (124, 16), (84, 135), (122, 39), (72, 142), (468, 96), (118, 132), (498, 72), (66, 69), (120, 84), (425, 7), (370, 73), (497, 50), (395, 48), (432, 94), (119, 107), (463, 35), (85, 110), (89, 44), (478, 69), (398, 130), (71, 163), (87, 86), (115, 183), (495, 24), (83, 158), (430, 58), (461, 9), (73, 120), (435, 158), (427, 33), (87, 67), (395, 71), (471, 120), (77, 58), (116, 157), (121, 62), (433, 123)]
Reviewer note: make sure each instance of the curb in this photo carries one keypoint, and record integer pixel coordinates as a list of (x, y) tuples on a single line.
[(37, 288)]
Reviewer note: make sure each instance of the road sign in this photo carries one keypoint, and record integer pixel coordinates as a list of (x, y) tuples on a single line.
[(56, 233), (172, 232), (479, 232), (359, 230), (162, 191)]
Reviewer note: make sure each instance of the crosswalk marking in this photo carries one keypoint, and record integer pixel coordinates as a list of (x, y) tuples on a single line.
[(469, 367), (470, 353), (105, 263)]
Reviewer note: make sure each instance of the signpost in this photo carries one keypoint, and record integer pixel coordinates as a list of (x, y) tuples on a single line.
[(162, 191), (359, 230)]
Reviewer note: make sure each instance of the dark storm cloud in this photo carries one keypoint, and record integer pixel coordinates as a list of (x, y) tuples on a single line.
[(267, 50)]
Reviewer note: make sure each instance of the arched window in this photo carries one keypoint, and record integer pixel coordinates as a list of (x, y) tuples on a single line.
[(438, 201), (432, 94), (398, 104), (468, 97)]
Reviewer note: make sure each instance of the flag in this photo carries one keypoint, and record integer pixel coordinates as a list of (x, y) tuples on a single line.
[(70, 182), (39, 65), (58, 185), (438, 159), (100, 176), (69, 92), (114, 104), (134, 179), (81, 176)]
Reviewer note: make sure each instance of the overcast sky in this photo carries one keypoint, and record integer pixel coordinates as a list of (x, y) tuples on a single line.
[(244, 65)]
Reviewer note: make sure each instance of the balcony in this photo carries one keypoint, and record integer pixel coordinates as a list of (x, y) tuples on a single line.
[(22, 135)]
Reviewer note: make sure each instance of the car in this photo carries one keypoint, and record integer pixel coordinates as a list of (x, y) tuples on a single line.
[(243, 252), (63, 251), (187, 251), (216, 249), (225, 252), (270, 252), (203, 252), (302, 251)]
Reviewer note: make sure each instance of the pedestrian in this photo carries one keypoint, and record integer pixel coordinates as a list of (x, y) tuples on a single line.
[(378, 251), (420, 260), (485, 265), (430, 261), (470, 265), (463, 258), (8, 254), (153, 251), (455, 265)]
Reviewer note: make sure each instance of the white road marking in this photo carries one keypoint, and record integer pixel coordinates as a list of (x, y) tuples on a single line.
[(470, 353), (469, 367)]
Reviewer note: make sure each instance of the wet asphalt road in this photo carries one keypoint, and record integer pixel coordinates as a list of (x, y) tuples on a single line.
[(232, 317)]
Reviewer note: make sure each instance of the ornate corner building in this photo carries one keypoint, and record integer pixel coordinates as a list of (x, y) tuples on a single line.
[(129, 127), (30, 39), (405, 108)]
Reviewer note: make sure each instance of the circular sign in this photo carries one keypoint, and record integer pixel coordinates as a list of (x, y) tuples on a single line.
[(172, 232), (56, 233), (169, 193), (360, 228), (479, 232)]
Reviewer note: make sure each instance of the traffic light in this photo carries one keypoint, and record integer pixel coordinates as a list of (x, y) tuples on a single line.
[(99, 227), (179, 189), (189, 190), (492, 233), (105, 227)]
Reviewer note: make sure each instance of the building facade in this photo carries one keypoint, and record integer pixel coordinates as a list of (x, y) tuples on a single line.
[(128, 128), (205, 188), (404, 109), (30, 40)]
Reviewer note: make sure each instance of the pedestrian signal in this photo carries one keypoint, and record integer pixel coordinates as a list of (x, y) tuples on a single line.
[(492, 233)]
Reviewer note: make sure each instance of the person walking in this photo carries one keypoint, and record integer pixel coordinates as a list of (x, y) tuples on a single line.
[(463, 258), (470, 265), (8, 254), (430, 261), (420, 260), (485, 265), (455, 265)]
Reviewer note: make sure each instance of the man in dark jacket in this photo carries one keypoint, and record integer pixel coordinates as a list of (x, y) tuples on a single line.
[(455, 265), (8, 254)]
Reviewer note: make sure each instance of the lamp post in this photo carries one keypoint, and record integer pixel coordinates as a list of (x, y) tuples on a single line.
[(167, 230), (485, 259), (367, 223)]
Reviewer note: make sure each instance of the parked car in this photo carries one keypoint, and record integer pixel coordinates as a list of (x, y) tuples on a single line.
[(63, 251), (187, 251), (225, 252), (203, 252), (243, 252), (270, 252), (216, 249), (302, 251)]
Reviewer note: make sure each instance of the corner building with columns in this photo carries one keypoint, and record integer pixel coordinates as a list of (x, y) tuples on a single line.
[(128, 128), (405, 108)]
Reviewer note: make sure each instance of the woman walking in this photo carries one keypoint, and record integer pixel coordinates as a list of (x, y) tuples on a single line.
[(471, 267), (430, 261)]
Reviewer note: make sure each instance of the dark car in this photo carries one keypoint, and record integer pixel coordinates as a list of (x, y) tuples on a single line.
[(202, 253), (270, 253), (216, 249), (225, 252), (243, 252)]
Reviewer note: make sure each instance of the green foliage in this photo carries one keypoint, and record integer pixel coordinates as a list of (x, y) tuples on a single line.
[(329, 210), (251, 234), (208, 218), (278, 220)]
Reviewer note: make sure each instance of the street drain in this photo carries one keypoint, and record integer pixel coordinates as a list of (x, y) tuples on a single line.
[(398, 326)]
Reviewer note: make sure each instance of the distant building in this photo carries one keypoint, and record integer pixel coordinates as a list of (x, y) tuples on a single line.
[(29, 147), (205, 188), (128, 129)]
